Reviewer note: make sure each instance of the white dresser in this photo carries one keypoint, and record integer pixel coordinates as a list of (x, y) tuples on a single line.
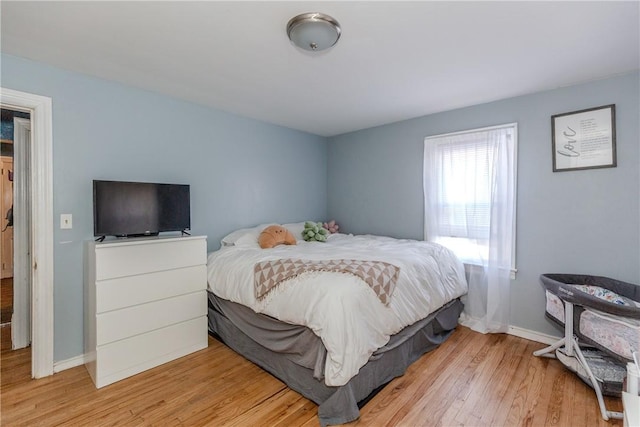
[(145, 304)]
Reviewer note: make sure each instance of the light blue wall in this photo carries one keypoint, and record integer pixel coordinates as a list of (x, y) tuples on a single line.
[(569, 222), (241, 171)]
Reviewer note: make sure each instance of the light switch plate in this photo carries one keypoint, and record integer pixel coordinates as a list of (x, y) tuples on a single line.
[(66, 221)]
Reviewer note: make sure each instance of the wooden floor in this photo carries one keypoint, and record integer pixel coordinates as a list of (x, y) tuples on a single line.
[(471, 380)]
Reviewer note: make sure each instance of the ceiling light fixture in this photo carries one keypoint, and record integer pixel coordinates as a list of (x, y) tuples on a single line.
[(313, 31)]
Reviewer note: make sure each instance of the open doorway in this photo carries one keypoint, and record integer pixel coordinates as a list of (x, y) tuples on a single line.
[(6, 227), (15, 315), (38, 262), (6, 239)]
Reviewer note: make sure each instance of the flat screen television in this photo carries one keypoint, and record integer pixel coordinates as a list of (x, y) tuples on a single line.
[(131, 209)]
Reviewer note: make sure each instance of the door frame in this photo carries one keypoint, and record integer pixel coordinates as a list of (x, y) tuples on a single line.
[(41, 174)]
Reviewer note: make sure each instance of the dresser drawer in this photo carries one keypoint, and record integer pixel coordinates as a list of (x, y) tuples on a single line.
[(130, 321), (130, 356), (113, 260), (113, 294)]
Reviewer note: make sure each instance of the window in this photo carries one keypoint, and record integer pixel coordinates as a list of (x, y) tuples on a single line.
[(470, 194)]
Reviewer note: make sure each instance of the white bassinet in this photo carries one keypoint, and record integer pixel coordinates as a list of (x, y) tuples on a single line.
[(601, 320)]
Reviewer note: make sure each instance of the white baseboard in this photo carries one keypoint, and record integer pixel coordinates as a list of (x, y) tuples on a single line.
[(513, 330), (532, 335), (69, 363)]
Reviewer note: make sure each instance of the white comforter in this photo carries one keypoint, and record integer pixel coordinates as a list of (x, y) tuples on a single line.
[(341, 308)]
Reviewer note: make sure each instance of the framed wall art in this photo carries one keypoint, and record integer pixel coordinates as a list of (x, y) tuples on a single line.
[(584, 139)]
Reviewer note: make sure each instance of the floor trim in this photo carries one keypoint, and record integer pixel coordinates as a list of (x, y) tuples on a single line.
[(532, 335), (69, 363), (513, 330)]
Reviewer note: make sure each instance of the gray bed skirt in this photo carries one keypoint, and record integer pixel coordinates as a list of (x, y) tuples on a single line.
[(295, 355)]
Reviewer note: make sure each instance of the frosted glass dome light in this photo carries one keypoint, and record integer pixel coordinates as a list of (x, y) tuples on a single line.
[(313, 31)]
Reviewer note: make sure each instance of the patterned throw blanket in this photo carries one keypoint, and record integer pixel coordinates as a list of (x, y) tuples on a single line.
[(380, 276)]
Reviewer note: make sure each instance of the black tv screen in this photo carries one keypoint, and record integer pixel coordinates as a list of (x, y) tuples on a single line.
[(127, 209)]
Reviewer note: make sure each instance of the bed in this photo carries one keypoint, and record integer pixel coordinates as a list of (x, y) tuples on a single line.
[(330, 333)]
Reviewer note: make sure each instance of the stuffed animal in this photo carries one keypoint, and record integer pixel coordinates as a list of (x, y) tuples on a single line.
[(313, 231), (275, 235), (331, 226)]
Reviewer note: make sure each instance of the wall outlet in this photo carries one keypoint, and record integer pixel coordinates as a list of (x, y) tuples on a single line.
[(66, 221)]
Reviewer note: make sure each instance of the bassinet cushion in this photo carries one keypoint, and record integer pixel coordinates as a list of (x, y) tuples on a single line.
[(554, 306), (606, 295), (619, 335)]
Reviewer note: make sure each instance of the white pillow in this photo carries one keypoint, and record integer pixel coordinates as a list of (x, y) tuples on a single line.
[(296, 228), (250, 239), (244, 236)]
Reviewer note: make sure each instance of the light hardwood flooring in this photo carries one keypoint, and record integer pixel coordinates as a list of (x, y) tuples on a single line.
[(471, 380)]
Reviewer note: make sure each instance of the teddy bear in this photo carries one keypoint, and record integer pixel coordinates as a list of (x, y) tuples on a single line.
[(275, 235), (331, 226), (314, 231)]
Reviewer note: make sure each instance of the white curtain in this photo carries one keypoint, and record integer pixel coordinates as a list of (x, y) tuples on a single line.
[(470, 190)]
